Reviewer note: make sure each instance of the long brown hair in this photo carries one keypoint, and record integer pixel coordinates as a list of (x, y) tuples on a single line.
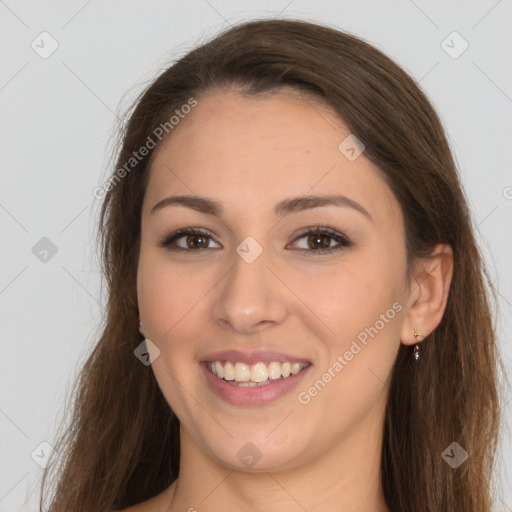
[(122, 444)]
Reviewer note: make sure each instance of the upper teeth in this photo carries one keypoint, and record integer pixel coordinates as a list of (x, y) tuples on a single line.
[(259, 372)]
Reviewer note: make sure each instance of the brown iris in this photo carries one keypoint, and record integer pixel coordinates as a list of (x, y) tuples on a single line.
[(203, 241), (324, 241)]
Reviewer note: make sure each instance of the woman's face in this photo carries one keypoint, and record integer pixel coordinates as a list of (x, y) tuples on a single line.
[(251, 286)]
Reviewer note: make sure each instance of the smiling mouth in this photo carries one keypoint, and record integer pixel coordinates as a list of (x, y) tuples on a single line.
[(259, 374)]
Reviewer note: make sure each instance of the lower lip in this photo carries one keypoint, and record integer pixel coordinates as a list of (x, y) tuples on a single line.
[(257, 395)]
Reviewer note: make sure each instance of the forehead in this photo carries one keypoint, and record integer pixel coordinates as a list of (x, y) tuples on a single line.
[(250, 152)]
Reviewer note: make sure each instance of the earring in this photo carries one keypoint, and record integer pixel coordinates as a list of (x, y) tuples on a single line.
[(141, 329), (416, 352)]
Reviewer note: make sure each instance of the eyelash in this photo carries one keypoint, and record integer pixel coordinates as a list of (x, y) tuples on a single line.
[(336, 236)]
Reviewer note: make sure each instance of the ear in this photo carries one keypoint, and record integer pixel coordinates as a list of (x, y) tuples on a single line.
[(428, 294)]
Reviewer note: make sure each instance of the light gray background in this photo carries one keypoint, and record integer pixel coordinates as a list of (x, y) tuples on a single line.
[(57, 119)]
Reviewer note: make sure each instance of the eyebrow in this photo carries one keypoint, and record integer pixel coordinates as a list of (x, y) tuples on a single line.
[(296, 204)]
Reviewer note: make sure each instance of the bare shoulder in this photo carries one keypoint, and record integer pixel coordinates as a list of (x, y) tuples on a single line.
[(158, 503)]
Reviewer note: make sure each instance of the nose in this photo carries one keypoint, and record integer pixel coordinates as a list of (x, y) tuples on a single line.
[(250, 297)]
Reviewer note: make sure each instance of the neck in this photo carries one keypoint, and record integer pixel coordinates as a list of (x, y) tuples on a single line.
[(348, 474)]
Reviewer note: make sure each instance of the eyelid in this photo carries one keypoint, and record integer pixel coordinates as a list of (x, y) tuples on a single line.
[(319, 229)]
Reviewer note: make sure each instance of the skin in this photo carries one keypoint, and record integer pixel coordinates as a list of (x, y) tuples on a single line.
[(249, 153)]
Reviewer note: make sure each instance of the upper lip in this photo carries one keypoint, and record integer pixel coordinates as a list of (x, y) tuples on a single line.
[(252, 357)]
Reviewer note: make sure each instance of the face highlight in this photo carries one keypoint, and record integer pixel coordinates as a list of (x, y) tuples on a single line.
[(260, 236)]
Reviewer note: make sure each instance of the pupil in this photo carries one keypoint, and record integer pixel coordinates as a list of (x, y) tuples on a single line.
[(322, 240)]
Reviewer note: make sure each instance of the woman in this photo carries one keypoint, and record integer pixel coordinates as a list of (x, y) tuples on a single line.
[(297, 316)]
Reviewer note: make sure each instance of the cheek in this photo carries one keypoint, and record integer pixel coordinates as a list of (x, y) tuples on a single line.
[(349, 298), (164, 290), (173, 303), (171, 307), (359, 302), (361, 307)]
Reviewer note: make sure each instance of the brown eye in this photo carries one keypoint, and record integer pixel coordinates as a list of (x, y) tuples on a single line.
[(197, 241), (319, 241), (192, 240)]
